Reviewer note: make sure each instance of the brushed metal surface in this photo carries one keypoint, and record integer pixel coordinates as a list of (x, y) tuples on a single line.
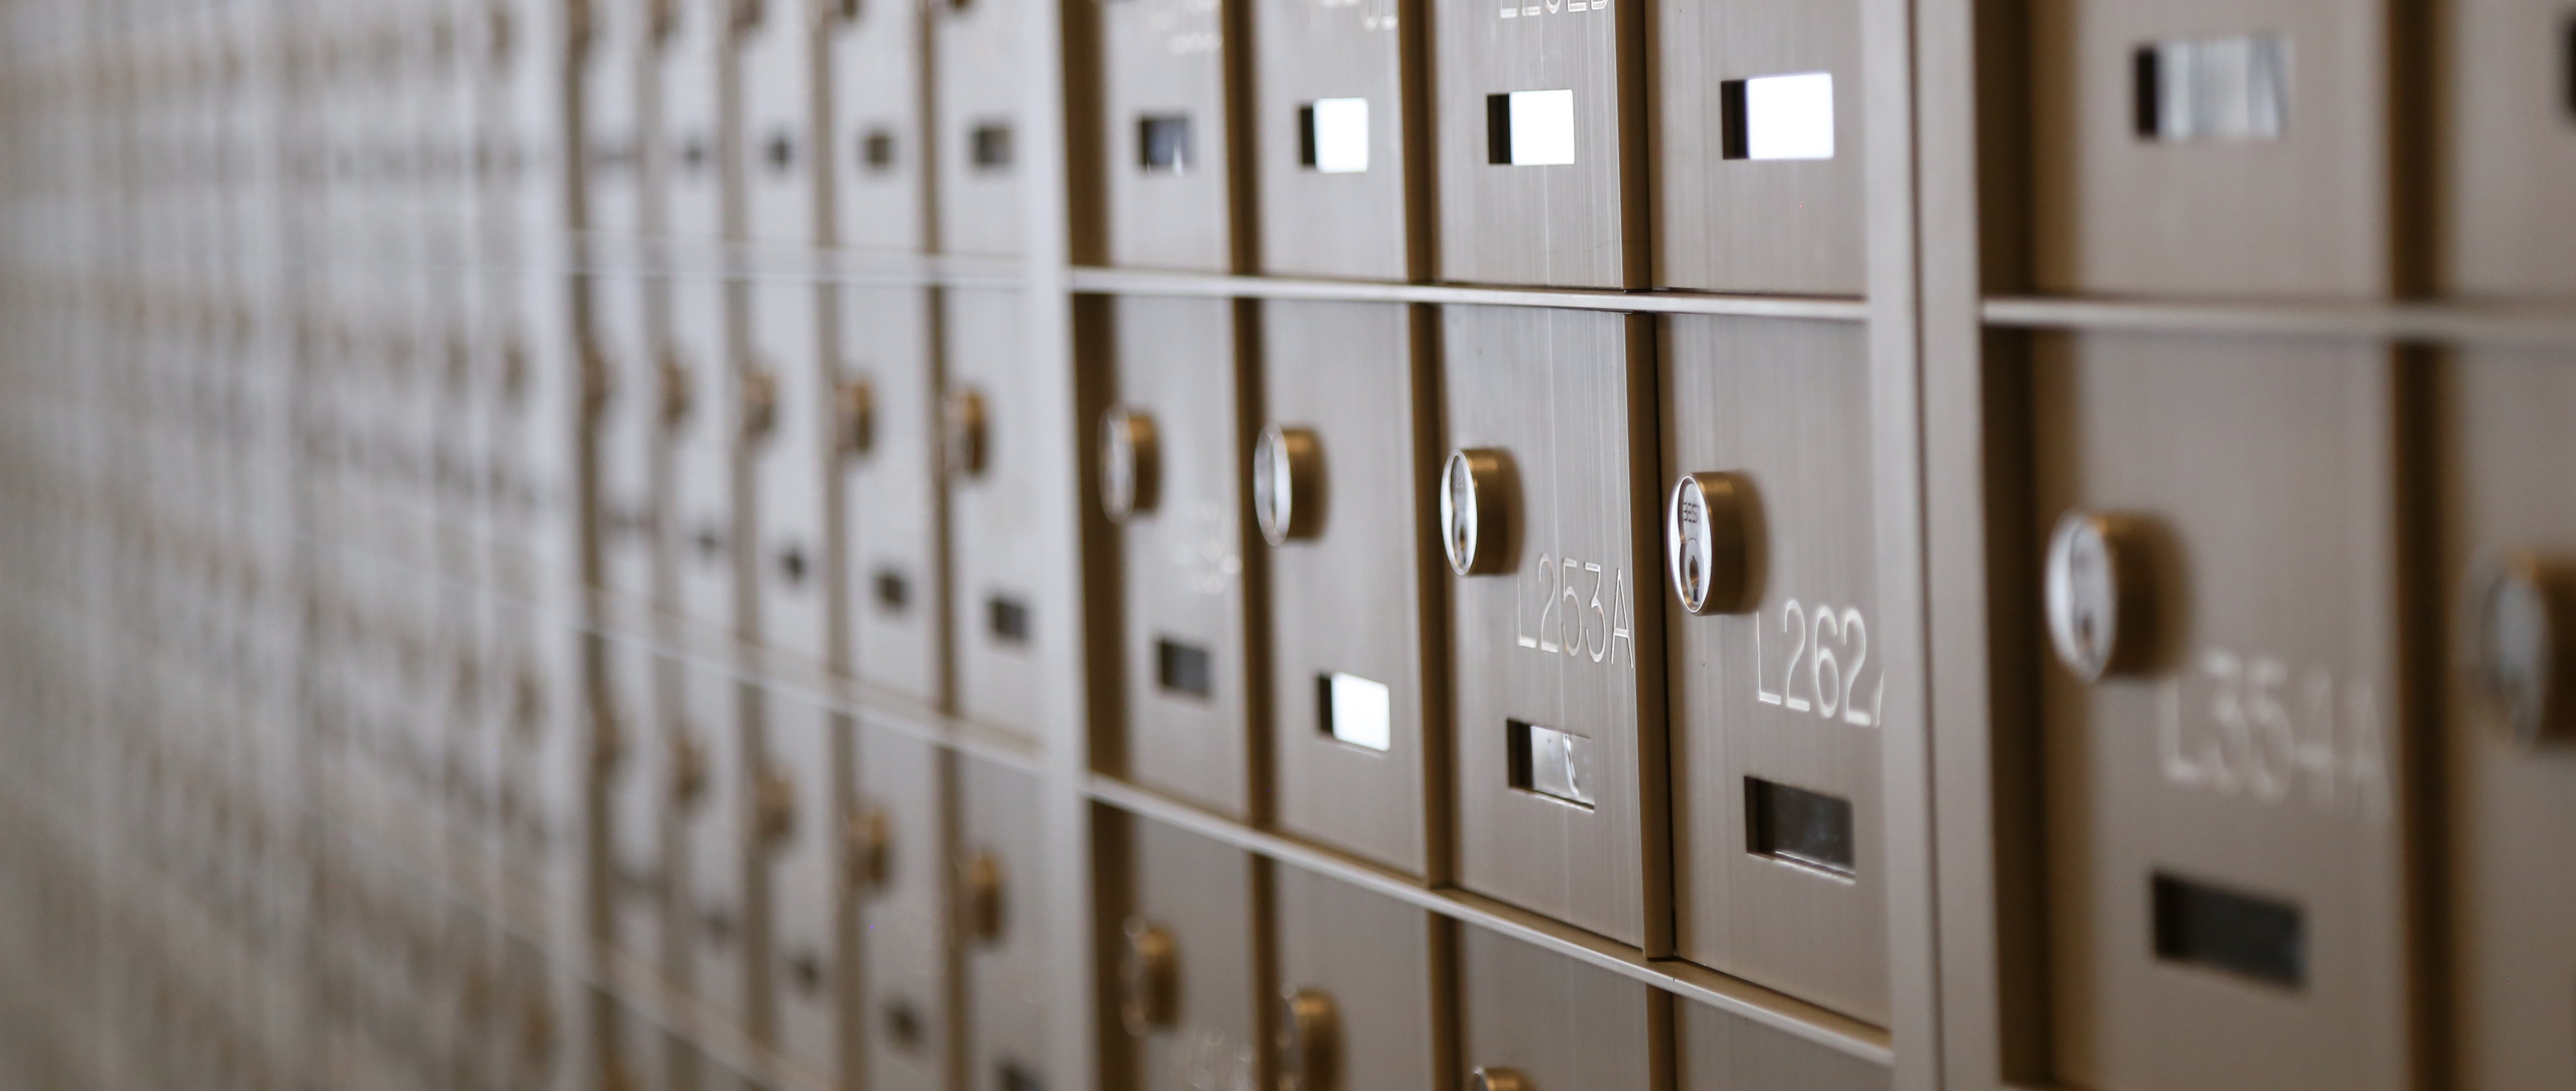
[(786, 465), (876, 153), (2508, 149), (1715, 1050), (894, 566), (997, 539), (1349, 224), (1201, 892), (976, 67), (1005, 977), (775, 154), (1557, 1022), (1576, 225), (1352, 599), (1166, 59), (802, 858), (901, 945), (1568, 396), (1373, 956), (2264, 756), (714, 965)]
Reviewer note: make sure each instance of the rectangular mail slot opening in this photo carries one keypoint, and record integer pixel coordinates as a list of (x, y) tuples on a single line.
[(989, 146), (1530, 128), (1184, 668), (1801, 827), (1546, 761), (1332, 135), (2233, 88), (893, 591), (2239, 933), (1356, 710), (876, 151), (1163, 143), (1007, 619), (1777, 117)]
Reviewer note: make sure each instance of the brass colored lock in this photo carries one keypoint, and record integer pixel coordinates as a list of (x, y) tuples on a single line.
[(759, 403), (979, 898), (868, 840), (773, 801), (1708, 542), (1130, 464), (677, 392), (1288, 484), (688, 770), (1149, 979), (1309, 1042), (1497, 1079), (962, 437), (1475, 511), (2522, 645), (2101, 595), (854, 417)]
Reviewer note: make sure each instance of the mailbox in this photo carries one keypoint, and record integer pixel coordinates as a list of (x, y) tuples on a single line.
[(1330, 129), (1530, 1019), (885, 436), (1168, 134), (1541, 126)]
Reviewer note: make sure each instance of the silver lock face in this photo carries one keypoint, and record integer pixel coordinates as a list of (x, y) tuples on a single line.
[(1309, 1037), (2096, 600), (1705, 542), (854, 410), (1130, 464), (1496, 1079), (1287, 484), (1473, 513), (2519, 641)]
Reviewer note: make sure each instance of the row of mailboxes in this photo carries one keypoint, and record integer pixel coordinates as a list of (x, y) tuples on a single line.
[(1234, 972)]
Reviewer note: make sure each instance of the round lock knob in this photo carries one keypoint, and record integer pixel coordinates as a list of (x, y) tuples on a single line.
[(1130, 464), (962, 433), (854, 417), (2522, 638), (1288, 484), (869, 837), (1497, 1079), (1474, 510), (688, 771), (979, 897), (1310, 1031), (773, 809), (759, 403), (2100, 595), (1707, 542), (1149, 979)]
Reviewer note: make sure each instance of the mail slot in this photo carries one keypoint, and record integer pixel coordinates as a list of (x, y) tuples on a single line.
[(976, 58), (885, 446), (1186, 968), (876, 154), (1716, 1049), (1345, 389), (780, 430), (2228, 890), (892, 839), (1330, 134), (1757, 171), (1541, 130), (1171, 457), (1002, 921), (2509, 124), (1164, 115), (1533, 1019), (1354, 1000), (2189, 152), (1545, 516), (2506, 581), (1777, 695)]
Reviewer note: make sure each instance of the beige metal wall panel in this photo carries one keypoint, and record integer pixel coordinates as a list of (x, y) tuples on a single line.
[(1165, 124), (999, 611), (1350, 612), (1757, 157), (798, 806), (876, 153), (1190, 698), (2511, 807), (2509, 126), (1190, 967), (894, 577), (784, 431), (1554, 1022), (2262, 167), (905, 953), (1715, 1050), (1776, 695), (714, 957), (1540, 115), (1370, 959), (1557, 688), (976, 60), (2226, 874), (688, 136), (999, 883), (1329, 117)]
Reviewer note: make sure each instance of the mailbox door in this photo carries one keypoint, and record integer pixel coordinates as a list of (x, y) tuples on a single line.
[(787, 455), (906, 953), (1164, 108), (714, 964), (1557, 706), (1000, 612), (1006, 968), (1373, 958), (880, 164), (1717, 1050), (774, 59), (1557, 1022), (2511, 129), (2227, 888), (977, 55), (892, 513), (1540, 122), (1775, 699), (1330, 131), (701, 533), (803, 854), (688, 136), (1199, 893)]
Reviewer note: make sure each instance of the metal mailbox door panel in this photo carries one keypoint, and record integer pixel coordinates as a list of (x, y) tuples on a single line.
[(1557, 708), (1000, 611), (1181, 548), (886, 401), (2226, 882), (2204, 148), (977, 55), (1718, 1051), (782, 428), (1774, 692), (798, 806), (628, 424), (2512, 804), (708, 790), (1757, 165), (1540, 133), (2510, 123), (897, 862), (1553, 1023), (700, 396), (637, 795), (998, 881), (879, 164), (775, 55), (1352, 584), (689, 132), (1359, 965), (1329, 91), (1163, 103), (1188, 975)]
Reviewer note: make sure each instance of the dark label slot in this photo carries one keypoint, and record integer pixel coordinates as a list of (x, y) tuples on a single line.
[(1163, 143), (1799, 826), (893, 592), (1008, 619), (2240, 933), (1734, 140), (991, 146), (1498, 129), (1184, 668), (1306, 135)]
